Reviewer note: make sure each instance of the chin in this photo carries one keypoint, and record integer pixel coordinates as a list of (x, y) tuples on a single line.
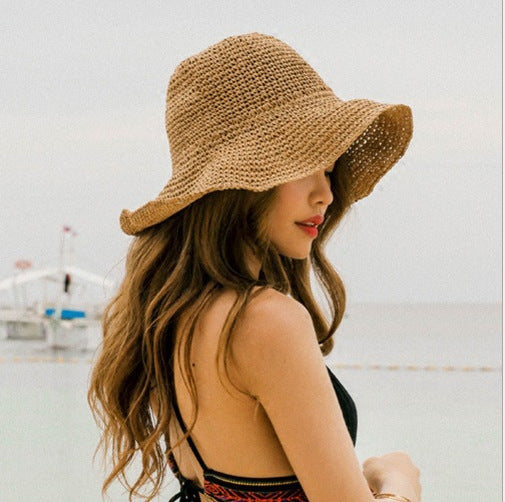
[(297, 254)]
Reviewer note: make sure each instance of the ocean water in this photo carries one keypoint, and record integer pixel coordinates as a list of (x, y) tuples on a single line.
[(426, 379)]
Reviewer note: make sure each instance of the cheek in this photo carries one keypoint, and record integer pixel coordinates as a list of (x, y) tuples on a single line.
[(281, 225), (281, 212), (289, 196), (285, 209)]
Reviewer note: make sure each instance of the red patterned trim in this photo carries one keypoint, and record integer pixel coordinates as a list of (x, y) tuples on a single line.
[(260, 493)]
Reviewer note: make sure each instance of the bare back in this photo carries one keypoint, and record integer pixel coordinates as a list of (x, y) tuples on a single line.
[(232, 433)]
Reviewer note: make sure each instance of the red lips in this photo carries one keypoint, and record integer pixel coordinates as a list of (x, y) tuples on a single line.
[(310, 226), (317, 220)]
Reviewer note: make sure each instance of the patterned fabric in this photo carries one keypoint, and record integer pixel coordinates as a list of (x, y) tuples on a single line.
[(224, 487), (255, 493)]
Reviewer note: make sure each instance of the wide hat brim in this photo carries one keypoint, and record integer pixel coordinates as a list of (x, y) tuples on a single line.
[(287, 143)]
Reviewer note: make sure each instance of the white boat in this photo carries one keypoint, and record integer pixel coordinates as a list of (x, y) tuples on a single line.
[(59, 316)]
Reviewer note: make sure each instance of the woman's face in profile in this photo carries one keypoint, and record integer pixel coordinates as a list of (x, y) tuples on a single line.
[(296, 202)]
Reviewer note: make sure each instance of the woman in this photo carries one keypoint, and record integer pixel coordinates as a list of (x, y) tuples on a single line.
[(212, 359)]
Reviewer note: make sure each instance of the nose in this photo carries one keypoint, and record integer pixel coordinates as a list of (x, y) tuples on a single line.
[(321, 193)]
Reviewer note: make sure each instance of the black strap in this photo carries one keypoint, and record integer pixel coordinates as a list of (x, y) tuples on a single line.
[(185, 430), (189, 491)]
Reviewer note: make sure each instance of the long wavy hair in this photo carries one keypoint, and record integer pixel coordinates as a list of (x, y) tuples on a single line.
[(176, 267)]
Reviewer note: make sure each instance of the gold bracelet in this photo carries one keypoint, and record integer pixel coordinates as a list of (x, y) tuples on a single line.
[(391, 496)]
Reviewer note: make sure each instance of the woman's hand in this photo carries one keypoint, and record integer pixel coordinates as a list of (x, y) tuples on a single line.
[(393, 473)]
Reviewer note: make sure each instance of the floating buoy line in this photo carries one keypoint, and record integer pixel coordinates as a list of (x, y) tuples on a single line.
[(339, 366)]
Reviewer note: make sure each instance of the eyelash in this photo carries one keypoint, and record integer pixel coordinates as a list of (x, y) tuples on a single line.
[(328, 173)]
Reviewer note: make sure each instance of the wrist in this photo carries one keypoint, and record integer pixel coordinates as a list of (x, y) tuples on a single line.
[(391, 497), (398, 486)]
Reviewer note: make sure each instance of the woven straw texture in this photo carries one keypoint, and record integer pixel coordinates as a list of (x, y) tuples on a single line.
[(250, 113)]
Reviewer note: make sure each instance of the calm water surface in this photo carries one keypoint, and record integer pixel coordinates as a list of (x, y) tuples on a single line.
[(415, 372)]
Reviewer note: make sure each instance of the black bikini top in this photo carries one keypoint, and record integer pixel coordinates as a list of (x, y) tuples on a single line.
[(219, 486)]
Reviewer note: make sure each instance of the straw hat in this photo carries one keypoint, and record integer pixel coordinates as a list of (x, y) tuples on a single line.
[(250, 113)]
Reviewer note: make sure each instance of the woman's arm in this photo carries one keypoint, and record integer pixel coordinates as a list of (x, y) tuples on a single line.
[(277, 359)]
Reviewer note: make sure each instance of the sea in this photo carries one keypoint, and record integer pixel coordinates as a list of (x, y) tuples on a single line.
[(426, 379)]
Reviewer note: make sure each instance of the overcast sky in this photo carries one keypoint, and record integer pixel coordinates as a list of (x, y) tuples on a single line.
[(82, 132)]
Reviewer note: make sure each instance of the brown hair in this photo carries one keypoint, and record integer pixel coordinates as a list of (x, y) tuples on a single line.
[(177, 266)]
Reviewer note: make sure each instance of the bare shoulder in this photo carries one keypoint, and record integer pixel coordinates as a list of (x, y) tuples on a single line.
[(274, 334), (271, 316)]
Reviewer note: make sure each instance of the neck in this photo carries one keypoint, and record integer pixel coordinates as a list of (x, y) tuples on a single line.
[(253, 264)]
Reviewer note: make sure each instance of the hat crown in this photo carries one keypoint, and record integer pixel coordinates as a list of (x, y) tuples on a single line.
[(212, 94)]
